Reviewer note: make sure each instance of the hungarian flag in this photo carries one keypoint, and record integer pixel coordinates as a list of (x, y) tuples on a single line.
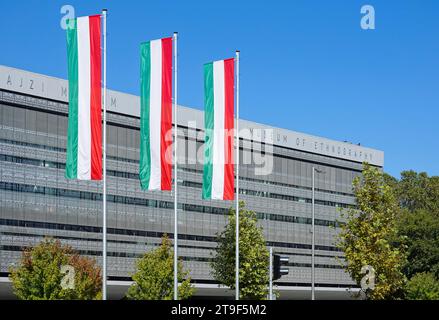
[(218, 175), (155, 168), (84, 136)]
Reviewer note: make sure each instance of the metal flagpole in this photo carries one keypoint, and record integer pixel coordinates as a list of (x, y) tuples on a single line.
[(175, 173), (104, 166), (313, 237), (237, 180)]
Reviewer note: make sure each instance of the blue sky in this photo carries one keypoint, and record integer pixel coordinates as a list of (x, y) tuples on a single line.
[(305, 65)]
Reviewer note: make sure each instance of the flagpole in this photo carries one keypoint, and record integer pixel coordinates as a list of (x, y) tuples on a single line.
[(175, 173), (237, 180), (104, 166)]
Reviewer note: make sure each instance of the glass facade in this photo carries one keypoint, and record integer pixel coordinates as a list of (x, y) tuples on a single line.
[(36, 200)]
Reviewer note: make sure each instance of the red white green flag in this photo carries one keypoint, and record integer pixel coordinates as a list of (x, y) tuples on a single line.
[(155, 168), (218, 174), (84, 136)]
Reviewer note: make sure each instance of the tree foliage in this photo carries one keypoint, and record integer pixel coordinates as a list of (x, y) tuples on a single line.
[(418, 191), (421, 230), (253, 255), (423, 286), (370, 236), (38, 275), (418, 195), (154, 277)]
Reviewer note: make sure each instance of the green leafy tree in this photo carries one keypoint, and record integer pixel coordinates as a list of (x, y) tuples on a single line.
[(418, 195), (421, 230), (418, 191), (370, 236), (253, 255), (39, 274), (154, 278), (423, 286)]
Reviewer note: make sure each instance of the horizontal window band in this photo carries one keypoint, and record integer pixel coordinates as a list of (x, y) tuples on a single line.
[(155, 244), (143, 233), (192, 184), (184, 258), (94, 196)]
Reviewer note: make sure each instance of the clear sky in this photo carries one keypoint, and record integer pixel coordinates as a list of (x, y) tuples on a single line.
[(305, 65)]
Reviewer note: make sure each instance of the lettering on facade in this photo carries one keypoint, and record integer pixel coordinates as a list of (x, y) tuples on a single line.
[(319, 146), (113, 102), (21, 83), (298, 141), (328, 149), (282, 138), (63, 91)]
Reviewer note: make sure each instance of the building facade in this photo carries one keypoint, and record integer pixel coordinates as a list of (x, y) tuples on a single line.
[(275, 181)]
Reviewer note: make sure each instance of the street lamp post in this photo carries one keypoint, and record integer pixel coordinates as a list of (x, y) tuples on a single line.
[(270, 287), (314, 170)]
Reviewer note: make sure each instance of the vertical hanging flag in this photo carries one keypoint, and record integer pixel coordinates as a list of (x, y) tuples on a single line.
[(155, 168), (84, 135), (218, 175)]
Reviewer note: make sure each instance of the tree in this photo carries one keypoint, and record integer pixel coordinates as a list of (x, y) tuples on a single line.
[(418, 191), (253, 255), (421, 230), (418, 195), (370, 237), (154, 278), (423, 286), (40, 274)]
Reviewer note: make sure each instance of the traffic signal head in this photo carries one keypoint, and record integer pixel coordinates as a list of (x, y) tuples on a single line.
[(278, 271)]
